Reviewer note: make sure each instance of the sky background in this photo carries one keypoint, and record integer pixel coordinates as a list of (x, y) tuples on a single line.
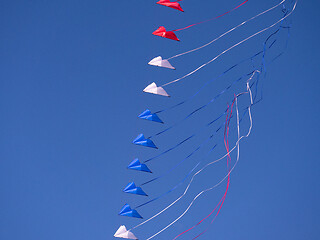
[(71, 80)]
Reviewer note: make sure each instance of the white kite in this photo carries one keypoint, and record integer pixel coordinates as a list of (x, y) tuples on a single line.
[(124, 233), (154, 89), (159, 62)]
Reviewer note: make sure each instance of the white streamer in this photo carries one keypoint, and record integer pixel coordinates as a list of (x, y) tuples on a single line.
[(235, 45)]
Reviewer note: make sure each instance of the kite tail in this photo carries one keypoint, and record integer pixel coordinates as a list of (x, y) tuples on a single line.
[(211, 18), (226, 133), (226, 142)]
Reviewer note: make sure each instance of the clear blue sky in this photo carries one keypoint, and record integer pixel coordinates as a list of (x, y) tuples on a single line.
[(71, 75)]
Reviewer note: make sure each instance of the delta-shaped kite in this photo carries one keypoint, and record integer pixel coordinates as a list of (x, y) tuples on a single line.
[(168, 3)]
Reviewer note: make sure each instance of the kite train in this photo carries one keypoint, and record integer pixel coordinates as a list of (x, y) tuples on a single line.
[(198, 130)]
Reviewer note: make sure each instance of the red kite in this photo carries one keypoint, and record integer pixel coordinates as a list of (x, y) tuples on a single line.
[(170, 4), (161, 31)]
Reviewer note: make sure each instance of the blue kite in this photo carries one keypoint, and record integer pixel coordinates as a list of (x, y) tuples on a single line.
[(136, 165), (128, 212), (132, 188), (147, 115), (141, 140)]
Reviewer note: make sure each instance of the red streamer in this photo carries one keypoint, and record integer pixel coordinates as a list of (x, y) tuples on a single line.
[(211, 18)]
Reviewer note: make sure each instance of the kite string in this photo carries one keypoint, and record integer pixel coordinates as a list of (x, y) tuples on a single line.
[(207, 165), (231, 30), (233, 46), (211, 18)]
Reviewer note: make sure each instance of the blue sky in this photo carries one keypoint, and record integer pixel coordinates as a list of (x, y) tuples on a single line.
[(72, 74)]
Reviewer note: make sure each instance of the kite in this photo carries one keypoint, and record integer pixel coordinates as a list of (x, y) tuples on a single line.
[(127, 211), (168, 3), (122, 232), (158, 61), (153, 88), (142, 141), (147, 115), (162, 32), (137, 165), (132, 188)]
